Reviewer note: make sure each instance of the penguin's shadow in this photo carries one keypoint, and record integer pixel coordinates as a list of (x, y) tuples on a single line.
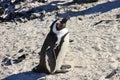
[(26, 76)]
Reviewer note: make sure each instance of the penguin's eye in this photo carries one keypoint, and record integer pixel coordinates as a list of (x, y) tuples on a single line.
[(60, 22), (58, 26)]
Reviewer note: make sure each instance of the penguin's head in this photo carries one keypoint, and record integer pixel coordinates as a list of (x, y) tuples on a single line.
[(59, 24)]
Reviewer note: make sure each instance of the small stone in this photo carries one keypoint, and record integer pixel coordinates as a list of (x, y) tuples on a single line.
[(96, 48), (118, 59), (36, 15), (71, 40), (79, 18), (118, 16), (21, 50), (85, 1), (43, 12), (114, 65), (17, 6), (43, 1), (12, 1), (78, 66)]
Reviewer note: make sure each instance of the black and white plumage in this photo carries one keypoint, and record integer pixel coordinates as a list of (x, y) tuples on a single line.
[(54, 48)]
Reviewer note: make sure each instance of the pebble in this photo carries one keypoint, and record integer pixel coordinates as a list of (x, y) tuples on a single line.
[(118, 16), (17, 7), (85, 1), (21, 50)]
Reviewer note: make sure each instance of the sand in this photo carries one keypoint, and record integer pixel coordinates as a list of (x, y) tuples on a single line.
[(93, 54)]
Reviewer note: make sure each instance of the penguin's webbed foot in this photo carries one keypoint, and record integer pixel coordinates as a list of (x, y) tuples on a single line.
[(39, 69), (63, 69)]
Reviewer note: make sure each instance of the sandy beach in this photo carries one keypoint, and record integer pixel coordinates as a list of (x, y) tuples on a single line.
[(94, 53)]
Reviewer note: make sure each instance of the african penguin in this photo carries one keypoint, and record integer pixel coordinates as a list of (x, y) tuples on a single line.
[(54, 48)]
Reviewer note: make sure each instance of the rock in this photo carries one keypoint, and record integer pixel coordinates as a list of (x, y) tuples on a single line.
[(71, 40), (113, 73), (96, 48), (17, 7), (35, 15), (118, 59), (6, 61), (9, 61), (84, 1), (20, 58), (43, 13), (118, 16), (80, 19), (21, 50), (43, 1)]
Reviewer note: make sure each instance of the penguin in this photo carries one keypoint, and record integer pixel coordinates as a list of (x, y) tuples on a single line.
[(54, 49)]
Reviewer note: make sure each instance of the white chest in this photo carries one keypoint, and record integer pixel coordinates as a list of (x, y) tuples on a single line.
[(59, 33)]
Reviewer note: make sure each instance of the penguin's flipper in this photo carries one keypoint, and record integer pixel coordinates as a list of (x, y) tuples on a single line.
[(50, 59)]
